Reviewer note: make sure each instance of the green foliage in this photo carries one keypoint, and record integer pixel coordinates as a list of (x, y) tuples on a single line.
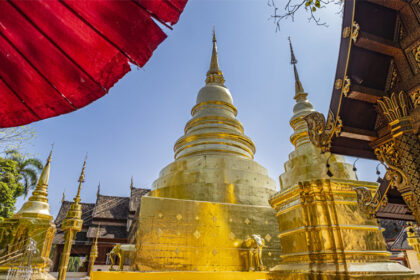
[(74, 264), (28, 169), (10, 186)]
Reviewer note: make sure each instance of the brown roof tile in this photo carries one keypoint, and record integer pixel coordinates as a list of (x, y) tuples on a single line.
[(111, 207)]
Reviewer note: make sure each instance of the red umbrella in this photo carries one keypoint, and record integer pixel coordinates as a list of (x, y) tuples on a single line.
[(59, 56)]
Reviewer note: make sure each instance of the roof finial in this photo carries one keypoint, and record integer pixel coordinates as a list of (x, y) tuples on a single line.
[(81, 180), (214, 75), (98, 192), (298, 85), (63, 198), (132, 183)]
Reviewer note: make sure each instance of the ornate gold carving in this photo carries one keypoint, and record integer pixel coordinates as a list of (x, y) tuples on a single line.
[(346, 86), (393, 77), (386, 153), (415, 98), (413, 238), (321, 132), (416, 54), (197, 234), (410, 201), (338, 84), (355, 31), (346, 32), (395, 107)]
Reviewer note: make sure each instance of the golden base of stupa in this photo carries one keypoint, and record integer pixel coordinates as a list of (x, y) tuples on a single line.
[(237, 275)]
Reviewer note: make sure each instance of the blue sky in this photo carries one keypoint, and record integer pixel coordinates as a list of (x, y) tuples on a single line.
[(131, 131)]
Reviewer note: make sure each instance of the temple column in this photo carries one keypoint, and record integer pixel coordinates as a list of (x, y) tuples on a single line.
[(401, 151), (93, 253), (72, 224)]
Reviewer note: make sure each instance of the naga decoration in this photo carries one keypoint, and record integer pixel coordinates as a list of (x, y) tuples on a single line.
[(320, 131), (370, 204)]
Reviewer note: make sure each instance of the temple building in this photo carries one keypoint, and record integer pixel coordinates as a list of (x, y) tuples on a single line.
[(113, 215)]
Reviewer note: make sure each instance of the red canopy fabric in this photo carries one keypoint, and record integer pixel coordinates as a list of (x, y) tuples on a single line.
[(59, 56)]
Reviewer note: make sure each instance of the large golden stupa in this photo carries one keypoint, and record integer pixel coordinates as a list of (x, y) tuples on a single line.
[(212, 198)]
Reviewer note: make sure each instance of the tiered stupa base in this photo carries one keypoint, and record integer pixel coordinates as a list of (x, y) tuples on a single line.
[(324, 235), (228, 275), (189, 235)]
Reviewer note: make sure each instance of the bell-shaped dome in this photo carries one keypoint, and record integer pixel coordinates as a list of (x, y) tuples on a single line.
[(214, 158), (214, 128)]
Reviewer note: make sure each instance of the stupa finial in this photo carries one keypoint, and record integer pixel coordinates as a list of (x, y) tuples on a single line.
[(98, 192), (40, 193), (81, 180), (214, 75), (131, 183), (299, 92)]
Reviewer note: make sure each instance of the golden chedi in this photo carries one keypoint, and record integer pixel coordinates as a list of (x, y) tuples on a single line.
[(32, 221), (323, 233), (212, 198)]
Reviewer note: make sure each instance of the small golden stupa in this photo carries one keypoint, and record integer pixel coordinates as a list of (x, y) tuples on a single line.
[(323, 233), (32, 221)]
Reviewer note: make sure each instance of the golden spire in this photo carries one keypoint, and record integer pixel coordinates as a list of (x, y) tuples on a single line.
[(302, 107), (298, 85), (37, 204), (214, 75), (40, 193), (97, 233), (81, 180)]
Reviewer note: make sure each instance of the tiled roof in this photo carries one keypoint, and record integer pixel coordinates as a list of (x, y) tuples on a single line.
[(108, 231), (392, 228), (86, 212), (111, 207), (135, 197), (401, 242)]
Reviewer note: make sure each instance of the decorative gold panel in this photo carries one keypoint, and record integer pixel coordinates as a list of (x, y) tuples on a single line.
[(210, 243)]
